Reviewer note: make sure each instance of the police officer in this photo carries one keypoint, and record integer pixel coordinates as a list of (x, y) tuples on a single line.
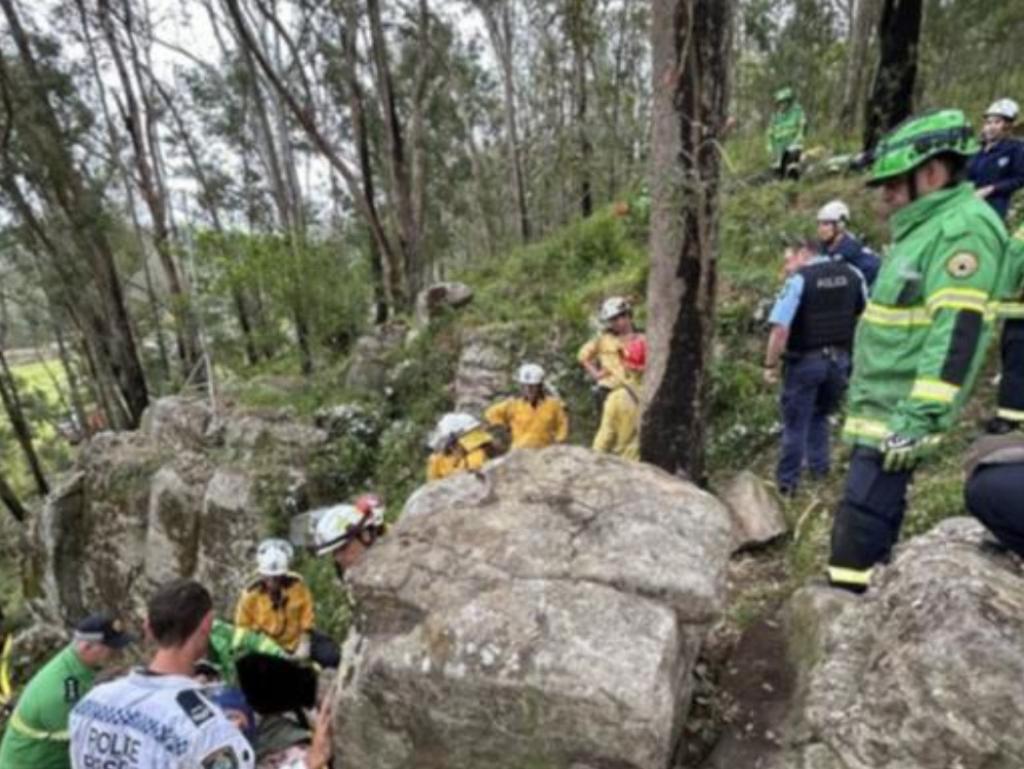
[(995, 487), (839, 243), (158, 717), (37, 733), (812, 326), (923, 335), (997, 170), (786, 134)]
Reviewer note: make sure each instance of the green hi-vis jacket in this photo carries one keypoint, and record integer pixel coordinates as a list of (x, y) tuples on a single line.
[(923, 335), (229, 642), (37, 732), (1011, 303), (787, 130)]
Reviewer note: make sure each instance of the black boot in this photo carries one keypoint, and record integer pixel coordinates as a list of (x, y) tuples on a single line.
[(999, 426)]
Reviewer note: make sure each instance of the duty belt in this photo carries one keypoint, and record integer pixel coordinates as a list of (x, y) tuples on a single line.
[(829, 352)]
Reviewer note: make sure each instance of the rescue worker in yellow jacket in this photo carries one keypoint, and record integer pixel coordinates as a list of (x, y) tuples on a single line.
[(619, 432), (459, 442), (601, 357), (534, 420), (278, 603)]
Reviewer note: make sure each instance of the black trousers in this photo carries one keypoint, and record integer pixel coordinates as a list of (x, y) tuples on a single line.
[(1011, 384), (993, 495), (867, 524)]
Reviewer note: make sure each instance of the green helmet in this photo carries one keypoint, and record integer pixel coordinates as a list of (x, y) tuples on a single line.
[(783, 94), (919, 138)]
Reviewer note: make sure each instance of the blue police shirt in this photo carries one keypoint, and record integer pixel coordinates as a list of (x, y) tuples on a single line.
[(1001, 166), (788, 301), (857, 255)]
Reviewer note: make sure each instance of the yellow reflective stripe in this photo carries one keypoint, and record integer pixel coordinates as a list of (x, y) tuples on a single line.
[(849, 576), (1010, 414), (959, 298), (869, 428), (238, 637), (934, 390), (5, 670), (1009, 309), (19, 725), (895, 316)]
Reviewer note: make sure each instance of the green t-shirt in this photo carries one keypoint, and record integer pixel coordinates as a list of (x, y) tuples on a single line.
[(37, 731)]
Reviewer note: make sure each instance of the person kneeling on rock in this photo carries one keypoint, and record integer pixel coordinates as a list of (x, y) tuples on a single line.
[(459, 442), (279, 604), (995, 487), (536, 419), (619, 432)]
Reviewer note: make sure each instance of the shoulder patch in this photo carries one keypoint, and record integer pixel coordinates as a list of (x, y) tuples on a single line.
[(195, 707), (72, 691), (222, 758), (962, 265)]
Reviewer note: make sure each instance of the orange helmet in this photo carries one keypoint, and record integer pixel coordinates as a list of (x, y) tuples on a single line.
[(634, 354)]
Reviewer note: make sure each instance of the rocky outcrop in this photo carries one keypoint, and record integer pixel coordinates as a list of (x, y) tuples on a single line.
[(923, 671), (757, 515), (189, 494), (546, 612), (435, 299), (487, 363), (370, 363)]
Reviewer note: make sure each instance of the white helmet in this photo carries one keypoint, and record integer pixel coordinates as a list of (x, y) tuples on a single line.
[(273, 557), (613, 307), (451, 425), (834, 211), (1004, 108), (339, 524), (530, 374)]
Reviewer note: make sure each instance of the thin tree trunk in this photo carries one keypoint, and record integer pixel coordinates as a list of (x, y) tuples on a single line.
[(691, 44), (74, 389), (499, 30), (864, 22), (11, 501), (892, 93), (22, 430), (577, 23)]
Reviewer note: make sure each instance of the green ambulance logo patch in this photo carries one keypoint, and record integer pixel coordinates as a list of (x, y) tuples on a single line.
[(962, 265)]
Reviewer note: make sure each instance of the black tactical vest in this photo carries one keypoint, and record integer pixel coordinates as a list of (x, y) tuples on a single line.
[(829, 305)]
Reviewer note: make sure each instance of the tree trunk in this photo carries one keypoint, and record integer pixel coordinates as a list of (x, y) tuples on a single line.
[(11, 501), (691, 42), (864, 22), (892, 93), (500, 33), (22, 431), (578, 36)]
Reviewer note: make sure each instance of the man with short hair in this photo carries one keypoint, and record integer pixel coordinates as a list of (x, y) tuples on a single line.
[(812, 326), (158, 717), (839, 243), (922, 338), (37, 733)]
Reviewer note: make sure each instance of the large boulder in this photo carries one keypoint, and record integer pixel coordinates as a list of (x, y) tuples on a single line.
[(924, 671), (140, 508), (370, 363), (486, 365), (546, 612)]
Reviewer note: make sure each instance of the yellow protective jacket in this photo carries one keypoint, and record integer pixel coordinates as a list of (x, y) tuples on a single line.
[(606, 349), (470, 453), (531, 427), (284, 622), (619, 432)]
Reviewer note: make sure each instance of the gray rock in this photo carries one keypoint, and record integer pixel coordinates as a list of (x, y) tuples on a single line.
[(924, 671), (177, 421), (431, 301), (228, 535), (246, 434), (547, 612), (487, 362), (349, 419), (370, 362), (757, 516), (172, 531)]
